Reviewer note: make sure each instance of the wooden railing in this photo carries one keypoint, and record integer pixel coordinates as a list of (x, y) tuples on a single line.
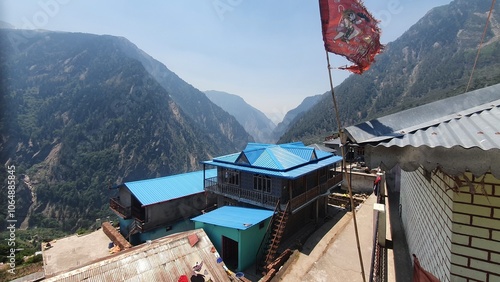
[(313, 193), (244, 195), (268, 200), (114, 204)]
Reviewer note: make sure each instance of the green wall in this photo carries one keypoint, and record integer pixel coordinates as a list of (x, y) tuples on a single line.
[(248, 240)]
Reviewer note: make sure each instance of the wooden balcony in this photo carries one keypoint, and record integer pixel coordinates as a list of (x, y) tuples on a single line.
[(266, 200), (243, 195), (315, 192), (119, 209)]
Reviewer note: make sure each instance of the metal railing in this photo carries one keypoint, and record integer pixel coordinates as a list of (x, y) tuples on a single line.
[(378, 267)]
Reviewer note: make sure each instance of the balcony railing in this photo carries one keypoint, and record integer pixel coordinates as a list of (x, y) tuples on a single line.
[(267, 200), (244, 195), (313, 193), (122, 211)]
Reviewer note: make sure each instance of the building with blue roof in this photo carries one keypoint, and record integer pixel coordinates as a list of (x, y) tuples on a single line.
[(153, 208), (262, 174), (236, 232), (292, 179)]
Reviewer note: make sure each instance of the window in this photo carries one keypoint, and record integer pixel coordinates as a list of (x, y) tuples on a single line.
[(262, 183), (230, 176)]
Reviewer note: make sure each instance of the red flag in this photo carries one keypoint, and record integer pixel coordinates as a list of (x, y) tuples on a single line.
[(351, 31)]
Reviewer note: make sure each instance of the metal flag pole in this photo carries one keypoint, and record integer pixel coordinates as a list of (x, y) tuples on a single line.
[(344, 166)]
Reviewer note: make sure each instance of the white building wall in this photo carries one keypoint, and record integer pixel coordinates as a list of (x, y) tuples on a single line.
[(426, 213), (476, 230)]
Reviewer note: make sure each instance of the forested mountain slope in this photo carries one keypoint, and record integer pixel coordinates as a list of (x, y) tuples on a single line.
[(80, 114), (432, 60)]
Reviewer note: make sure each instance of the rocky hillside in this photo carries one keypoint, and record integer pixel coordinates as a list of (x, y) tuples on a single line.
[(432, 60), (81, 112)]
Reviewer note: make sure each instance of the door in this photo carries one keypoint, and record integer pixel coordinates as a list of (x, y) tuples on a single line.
[(230, 252)]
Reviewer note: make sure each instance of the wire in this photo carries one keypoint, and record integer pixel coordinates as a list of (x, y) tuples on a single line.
[(480, 45)]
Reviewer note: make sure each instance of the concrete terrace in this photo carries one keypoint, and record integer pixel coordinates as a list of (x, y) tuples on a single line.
[(75, 251), (331, 253)]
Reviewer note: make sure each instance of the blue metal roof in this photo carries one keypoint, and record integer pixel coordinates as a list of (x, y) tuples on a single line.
[(234, 217), (285, 160), (157, 190)]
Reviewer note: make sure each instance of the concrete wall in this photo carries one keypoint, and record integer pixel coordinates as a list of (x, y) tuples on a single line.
[(125, 196), (185, 208), (248, 240), (476, 230), (426, 213), (171, 228), (360, 182)]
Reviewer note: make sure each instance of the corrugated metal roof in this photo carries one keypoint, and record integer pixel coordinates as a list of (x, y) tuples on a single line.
[(480, 129), (290, 174), (408, 121), (164, 259), (286, 160), (321, 149), (450, 133), (234, 217), (157, 190)]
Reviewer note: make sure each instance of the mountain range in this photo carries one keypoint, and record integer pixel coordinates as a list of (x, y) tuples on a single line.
[(434, 59), (81, 112), (254, 121)]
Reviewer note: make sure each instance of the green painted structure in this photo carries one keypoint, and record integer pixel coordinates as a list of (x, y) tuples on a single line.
[(236, 233)]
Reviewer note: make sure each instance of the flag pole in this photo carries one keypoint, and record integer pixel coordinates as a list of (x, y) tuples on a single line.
[(344, 165)]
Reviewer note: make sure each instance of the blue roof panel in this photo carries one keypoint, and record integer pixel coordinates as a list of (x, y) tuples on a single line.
[(277, 160), (289, 174), (234, 217), (157, 190), (267, 160), (303, 152), (253, 154)]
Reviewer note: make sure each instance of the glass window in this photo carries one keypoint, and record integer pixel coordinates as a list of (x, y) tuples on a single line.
[(230, 176), (262, 183)]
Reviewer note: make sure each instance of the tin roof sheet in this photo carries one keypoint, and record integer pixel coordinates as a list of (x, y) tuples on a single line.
[(452, 133), (234, 217), (406, 122), (157, 190), (164, 259)]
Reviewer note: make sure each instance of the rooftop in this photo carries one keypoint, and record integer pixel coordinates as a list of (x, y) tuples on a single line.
[(157, 190), (289, 160), (234, 217), (462, 127), (188, 253), (74, 251)]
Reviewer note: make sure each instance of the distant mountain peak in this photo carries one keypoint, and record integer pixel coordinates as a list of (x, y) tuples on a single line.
[(253, 120)]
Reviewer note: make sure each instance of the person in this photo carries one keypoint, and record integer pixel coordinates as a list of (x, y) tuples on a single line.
[(376, 184)]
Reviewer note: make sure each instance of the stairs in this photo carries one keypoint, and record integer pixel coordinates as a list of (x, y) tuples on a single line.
[(277, 227), (133, 228)]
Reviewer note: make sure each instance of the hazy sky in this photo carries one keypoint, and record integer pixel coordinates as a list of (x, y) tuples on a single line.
[(268, 52)]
